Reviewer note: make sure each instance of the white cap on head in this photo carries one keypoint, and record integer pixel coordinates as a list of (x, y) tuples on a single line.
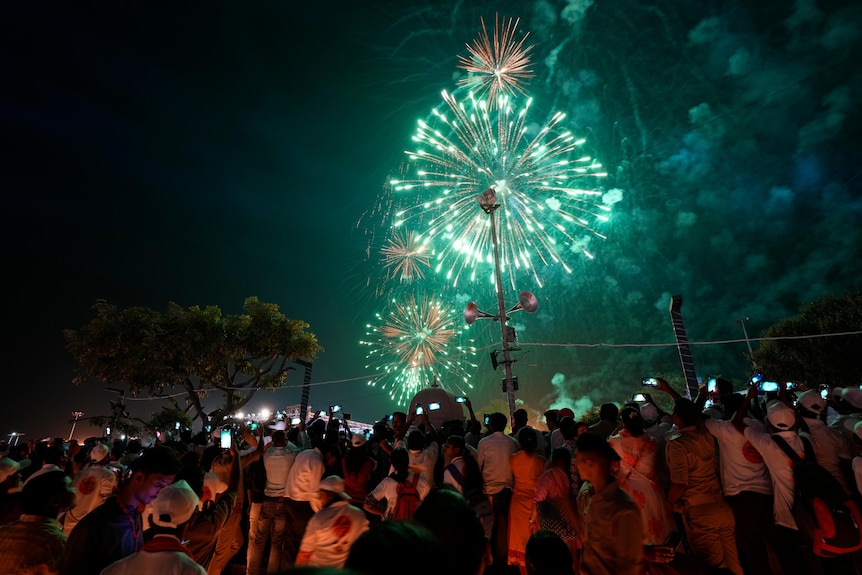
[(853, 396), (10, 466), (99, 451), (812, 401), (174, 505), (649, 412), (780, 416), (357, 440), (335, 484)]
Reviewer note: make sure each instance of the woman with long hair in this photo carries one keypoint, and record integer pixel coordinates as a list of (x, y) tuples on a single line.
[(555, 510), (527, 466), (357, 467), (638, 477)]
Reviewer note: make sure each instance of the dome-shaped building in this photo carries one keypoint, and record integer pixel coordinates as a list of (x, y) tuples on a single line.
[(440, 405)]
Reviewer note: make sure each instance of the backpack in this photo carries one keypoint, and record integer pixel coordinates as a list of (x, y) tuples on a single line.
[(408, 499), (824, 513)]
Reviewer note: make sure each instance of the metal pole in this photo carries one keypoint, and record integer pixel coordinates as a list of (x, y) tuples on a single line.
[(501, 306), (306, 388), (741, 321), (77, 415)]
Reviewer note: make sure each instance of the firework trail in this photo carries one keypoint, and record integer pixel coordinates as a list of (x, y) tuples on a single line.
[(497, 68), (414, 342), (546, 189)]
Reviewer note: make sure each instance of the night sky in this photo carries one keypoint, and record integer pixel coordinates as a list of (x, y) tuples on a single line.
[(202, 154)]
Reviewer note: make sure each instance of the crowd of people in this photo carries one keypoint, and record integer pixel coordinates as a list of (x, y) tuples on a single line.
[(705, 488)]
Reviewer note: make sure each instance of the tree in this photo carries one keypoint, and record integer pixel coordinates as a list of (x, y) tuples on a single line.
[(196, 350), (832, 360)]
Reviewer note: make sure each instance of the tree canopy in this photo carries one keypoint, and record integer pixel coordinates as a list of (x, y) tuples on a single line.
[(830, 360), (193, 350)]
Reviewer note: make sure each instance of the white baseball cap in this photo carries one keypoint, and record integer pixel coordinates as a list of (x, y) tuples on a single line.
[(812, 401), (780, 416), (174, 505), (853, 396), (9, 466)]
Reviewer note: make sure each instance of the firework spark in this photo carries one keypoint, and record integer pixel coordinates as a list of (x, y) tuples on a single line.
[(499, 67), (406, 257), (544, 188), (415, 342)]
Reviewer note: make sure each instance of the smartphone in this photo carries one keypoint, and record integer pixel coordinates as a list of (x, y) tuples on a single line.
[(487, 419), (334, 408), (824, 393), (433, 406), (253, 426), (756, 378), (649, 382), (295, 421), (177, 425), (420, 410), (789, 385), (279, 417), (710, 385), (638, 397), (389, 417), (460, 400), (225, 438), (767, 386)]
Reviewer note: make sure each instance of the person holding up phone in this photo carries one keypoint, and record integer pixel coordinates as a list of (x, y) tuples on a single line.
[(695, 491)]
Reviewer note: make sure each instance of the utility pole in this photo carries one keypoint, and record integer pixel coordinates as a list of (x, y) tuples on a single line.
[(77, 415)]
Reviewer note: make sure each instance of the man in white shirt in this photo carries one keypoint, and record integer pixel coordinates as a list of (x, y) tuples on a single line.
[(832, 447), (791, 549), (423, 458), (278, 459), (494, 452), (330, 532), (746, 485), (301, 490), (93, 485)]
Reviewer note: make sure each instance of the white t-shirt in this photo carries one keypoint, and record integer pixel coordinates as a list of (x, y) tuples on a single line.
[(331, 532), (278, 461), (93, 485), (424, 460), (303, 480), (459, 464), (493, 457), (857, 472), (780, 470), (161, 562), (830, 446), (741, 465), (388, 488)]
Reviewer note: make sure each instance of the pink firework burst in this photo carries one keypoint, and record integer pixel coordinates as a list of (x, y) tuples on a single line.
[(500, 66), (406, 257)]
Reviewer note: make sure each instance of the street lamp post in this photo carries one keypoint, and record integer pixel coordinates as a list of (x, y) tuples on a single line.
[(77, 415), (527, 301), (741, 321)]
